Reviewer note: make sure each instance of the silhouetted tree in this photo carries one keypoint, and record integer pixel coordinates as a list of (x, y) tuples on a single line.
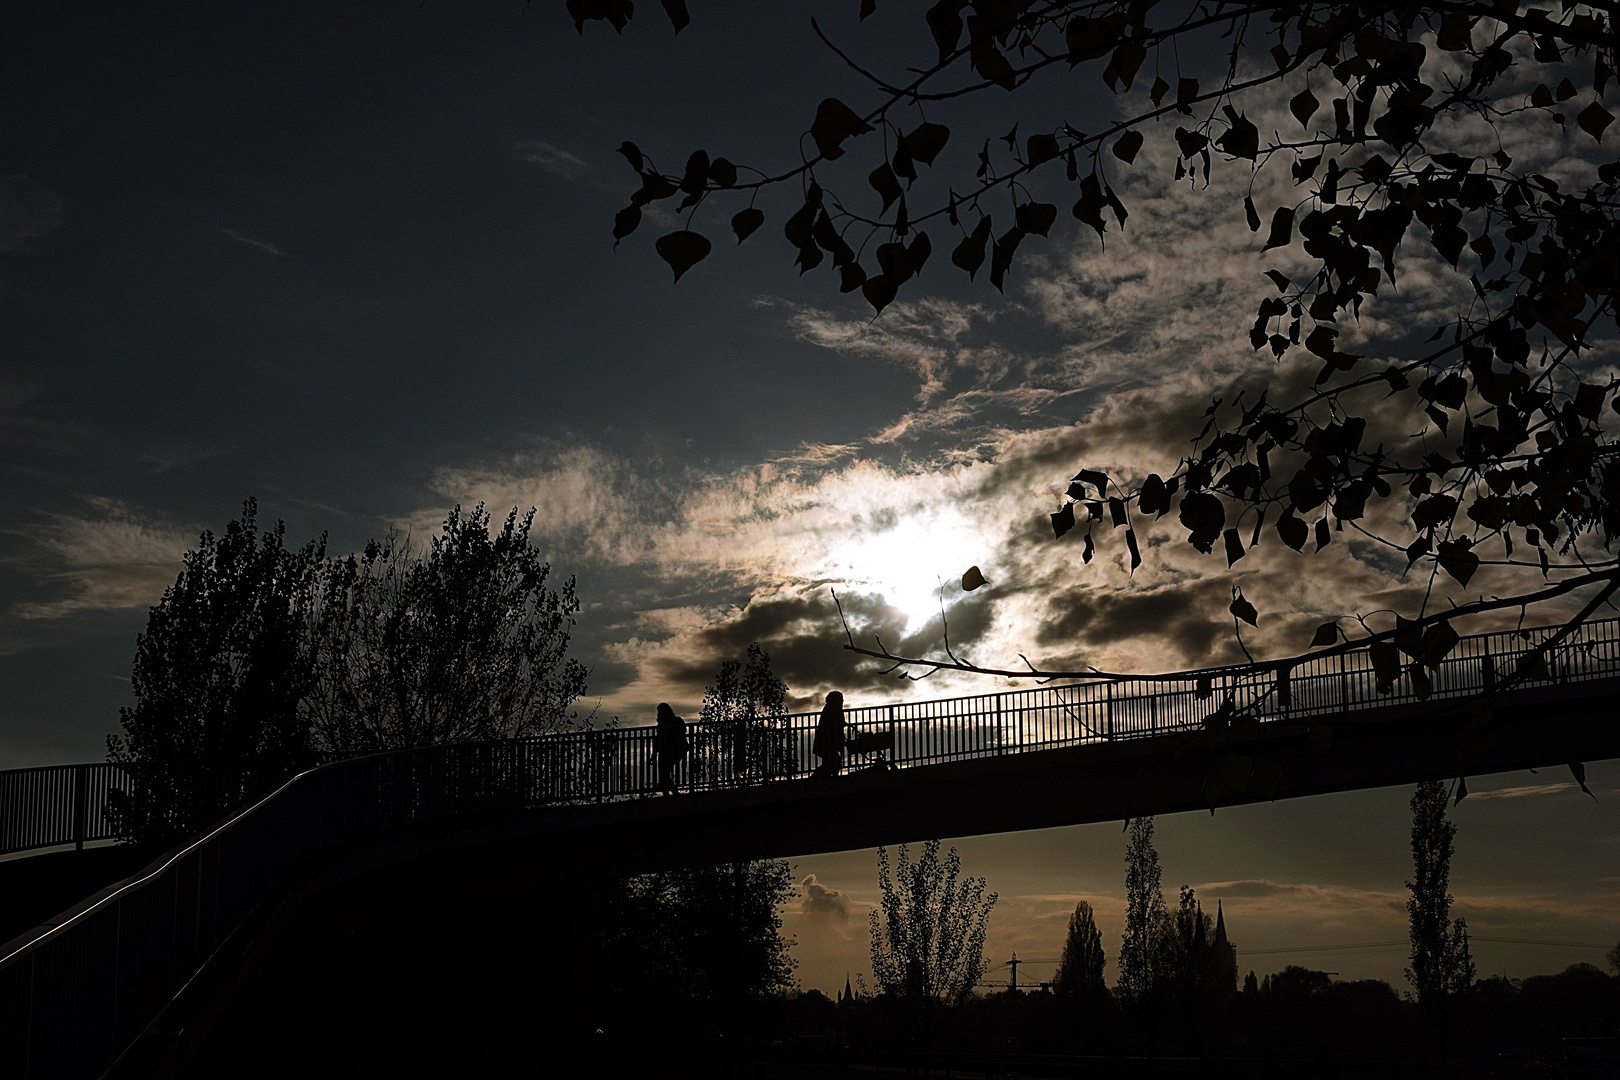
[(1413, 99), (706, 935), (744, 731), (1614, 958), (462, 642), (1298, 982), (1080, 968), (1141, 949), (1440, 959), (220, 672), (260, 655), (928, 931), (1185, 944)]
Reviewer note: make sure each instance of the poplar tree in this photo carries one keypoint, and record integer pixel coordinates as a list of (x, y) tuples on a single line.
[(1145, 916), (1080, 969)]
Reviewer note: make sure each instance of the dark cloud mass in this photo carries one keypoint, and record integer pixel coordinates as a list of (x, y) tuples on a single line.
[(1186, 616)]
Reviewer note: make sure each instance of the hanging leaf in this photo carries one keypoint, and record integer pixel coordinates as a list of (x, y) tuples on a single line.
[(1252, 216), (834, 123), (1242, 609), (945, 23), (1154, 498), (1041, 148), (744, 222), (632, 153), (1264, 781), (1578, 771), (676, 10), (1293, 531), (1123, 65), (1235, 770), (1462, 790), (1282, 228), (1035, 217), (625, 222), (1594, 120), (682, 250), (1386, 662), (1063, 521), (969, 254), (885, 183), (1303, 107), (1234, 547), (879, 291), (723, 173), (1204, 516), (1136, 552), (925, 143), (1456, 559), (1326, 634), (972, 579), (1126, 147)]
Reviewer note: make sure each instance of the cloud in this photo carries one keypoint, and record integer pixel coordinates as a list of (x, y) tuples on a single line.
[(28, 211), (553, 159), (820, 902), (1525, 791), (262, 245), (107, 560)]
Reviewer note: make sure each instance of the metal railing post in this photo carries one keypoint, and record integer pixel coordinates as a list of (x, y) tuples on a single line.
[(81, 794)]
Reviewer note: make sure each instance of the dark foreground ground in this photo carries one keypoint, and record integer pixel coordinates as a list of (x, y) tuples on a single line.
[(514, 988)]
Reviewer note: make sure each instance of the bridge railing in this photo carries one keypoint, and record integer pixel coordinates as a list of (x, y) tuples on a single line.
[(76, 804)]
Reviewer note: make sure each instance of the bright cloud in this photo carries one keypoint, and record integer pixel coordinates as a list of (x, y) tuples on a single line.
[(107, 559)]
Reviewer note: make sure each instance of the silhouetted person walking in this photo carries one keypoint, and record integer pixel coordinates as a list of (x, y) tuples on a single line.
[(670, 745), (829, 741)]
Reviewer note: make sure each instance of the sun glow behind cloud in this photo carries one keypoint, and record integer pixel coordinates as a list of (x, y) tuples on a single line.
[(910, 563)]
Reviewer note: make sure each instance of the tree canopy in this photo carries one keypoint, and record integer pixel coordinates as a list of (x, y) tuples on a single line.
[(1376, 140), (928, 929), (260, 656)]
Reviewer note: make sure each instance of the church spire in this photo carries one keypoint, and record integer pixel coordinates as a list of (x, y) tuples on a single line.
[(1220, 925)]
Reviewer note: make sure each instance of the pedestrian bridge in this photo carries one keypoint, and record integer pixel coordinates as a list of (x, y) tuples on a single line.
[(128, 977)]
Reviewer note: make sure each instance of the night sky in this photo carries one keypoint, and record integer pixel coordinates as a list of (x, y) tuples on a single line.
[(358, 264)]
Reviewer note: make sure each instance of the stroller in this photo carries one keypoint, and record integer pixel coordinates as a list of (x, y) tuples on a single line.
[(874, 747)]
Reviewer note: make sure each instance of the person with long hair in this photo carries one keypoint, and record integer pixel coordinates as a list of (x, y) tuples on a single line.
[(829, 741), (670, 745)]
